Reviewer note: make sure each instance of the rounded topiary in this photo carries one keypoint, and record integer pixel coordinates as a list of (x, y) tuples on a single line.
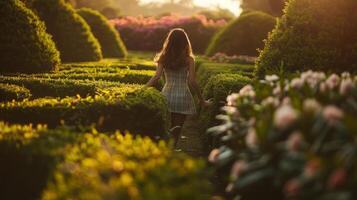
[(9, 92), (243, 36), (71, 33), (24, 44), (108, 37), (312, 34)]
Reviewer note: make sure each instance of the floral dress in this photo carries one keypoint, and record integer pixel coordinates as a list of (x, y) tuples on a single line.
[(177, 92)]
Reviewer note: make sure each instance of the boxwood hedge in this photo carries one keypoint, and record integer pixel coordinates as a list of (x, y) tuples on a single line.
[(110, 41), (25, 45), (130, 107), (9, 92), (71, 33)]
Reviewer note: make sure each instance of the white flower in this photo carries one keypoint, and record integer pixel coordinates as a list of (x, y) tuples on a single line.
[(270, 101), (285, 116), (277, 90), (286, 101), (297, 83), (346, 86), (247, 91), (271, 78), (345, 75), (251, 139), (323, 87), (232, 99), (332, 114), (333, 81), (311, 105)]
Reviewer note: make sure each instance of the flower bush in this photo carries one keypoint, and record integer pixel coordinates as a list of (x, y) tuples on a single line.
[(148, 33), (290, 138)]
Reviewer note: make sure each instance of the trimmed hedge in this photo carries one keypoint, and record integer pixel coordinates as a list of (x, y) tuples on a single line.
[(318, 35), (25, 45), (139, 110), (37, 162), (71, 33), (44, 87), (243, 36), (123, 167), (10, 92), (28, 156), (109, 38)]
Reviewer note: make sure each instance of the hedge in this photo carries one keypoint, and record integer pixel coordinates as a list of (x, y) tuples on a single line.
[(28, 156), (71, 33), (109, 38), (25, 45), (130, 107), (243, 36), (10, 92), (40, 163), (124, 167), (318, 35), (44, 87)]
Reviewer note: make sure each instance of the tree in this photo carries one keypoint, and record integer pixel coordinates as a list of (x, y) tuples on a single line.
[(273, 7)]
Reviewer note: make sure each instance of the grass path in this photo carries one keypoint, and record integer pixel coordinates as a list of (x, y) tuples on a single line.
[(190, 141)]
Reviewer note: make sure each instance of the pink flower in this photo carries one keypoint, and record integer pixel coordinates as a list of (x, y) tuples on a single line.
[(333, 81), (277, 90), (285, 116), (323, 87), (346, 86), (332, 114), (296, 83), (337, 178), (247, 91), (237, 169), (311, 168), (295, 141), (270, 101), (292, 188), (232, 99), (251, 139), (213, 156)]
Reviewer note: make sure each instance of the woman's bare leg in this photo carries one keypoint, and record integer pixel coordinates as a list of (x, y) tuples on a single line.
[(177, 120)]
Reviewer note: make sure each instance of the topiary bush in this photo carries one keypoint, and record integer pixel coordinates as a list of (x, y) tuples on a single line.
[(125, 167), (25, 45), (243, 36), (71, 33), (109, 38), (10, 92), (318, 35)]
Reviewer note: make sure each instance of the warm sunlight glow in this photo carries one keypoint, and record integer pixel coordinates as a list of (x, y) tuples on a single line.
[(232, 5)]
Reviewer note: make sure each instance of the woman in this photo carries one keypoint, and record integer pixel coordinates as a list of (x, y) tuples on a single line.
[(176, 60)]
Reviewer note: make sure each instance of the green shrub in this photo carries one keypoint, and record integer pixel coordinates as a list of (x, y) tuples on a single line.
[(47, 87), (243, 36), (141, 111), (71, 33), (319, 35), (28, 157), (109, 38), (25, 45), (110, 65), (10, 92), (123, 167)]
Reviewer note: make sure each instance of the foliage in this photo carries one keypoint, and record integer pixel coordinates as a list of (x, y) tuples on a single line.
[(124, 167), (312, 30), (217, 14), (10, 92), (28, 157), (142, 111), (223, 58), (243, 36), (71, 33), (109, 39), (290, 139), (148, 33), (25, 45)]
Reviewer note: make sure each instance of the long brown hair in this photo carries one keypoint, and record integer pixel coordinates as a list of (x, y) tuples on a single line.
[(176, 51)]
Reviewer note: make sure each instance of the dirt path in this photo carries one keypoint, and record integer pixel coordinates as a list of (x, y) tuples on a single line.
[(190, 141)]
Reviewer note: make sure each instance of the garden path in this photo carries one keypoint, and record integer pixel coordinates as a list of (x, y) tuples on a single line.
[(190, 141)]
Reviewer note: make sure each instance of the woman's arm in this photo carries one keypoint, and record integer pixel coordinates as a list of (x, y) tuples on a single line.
[(156, 77), (192, 81)]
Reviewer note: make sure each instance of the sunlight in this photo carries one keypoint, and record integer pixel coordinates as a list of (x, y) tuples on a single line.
[(231, 5)]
